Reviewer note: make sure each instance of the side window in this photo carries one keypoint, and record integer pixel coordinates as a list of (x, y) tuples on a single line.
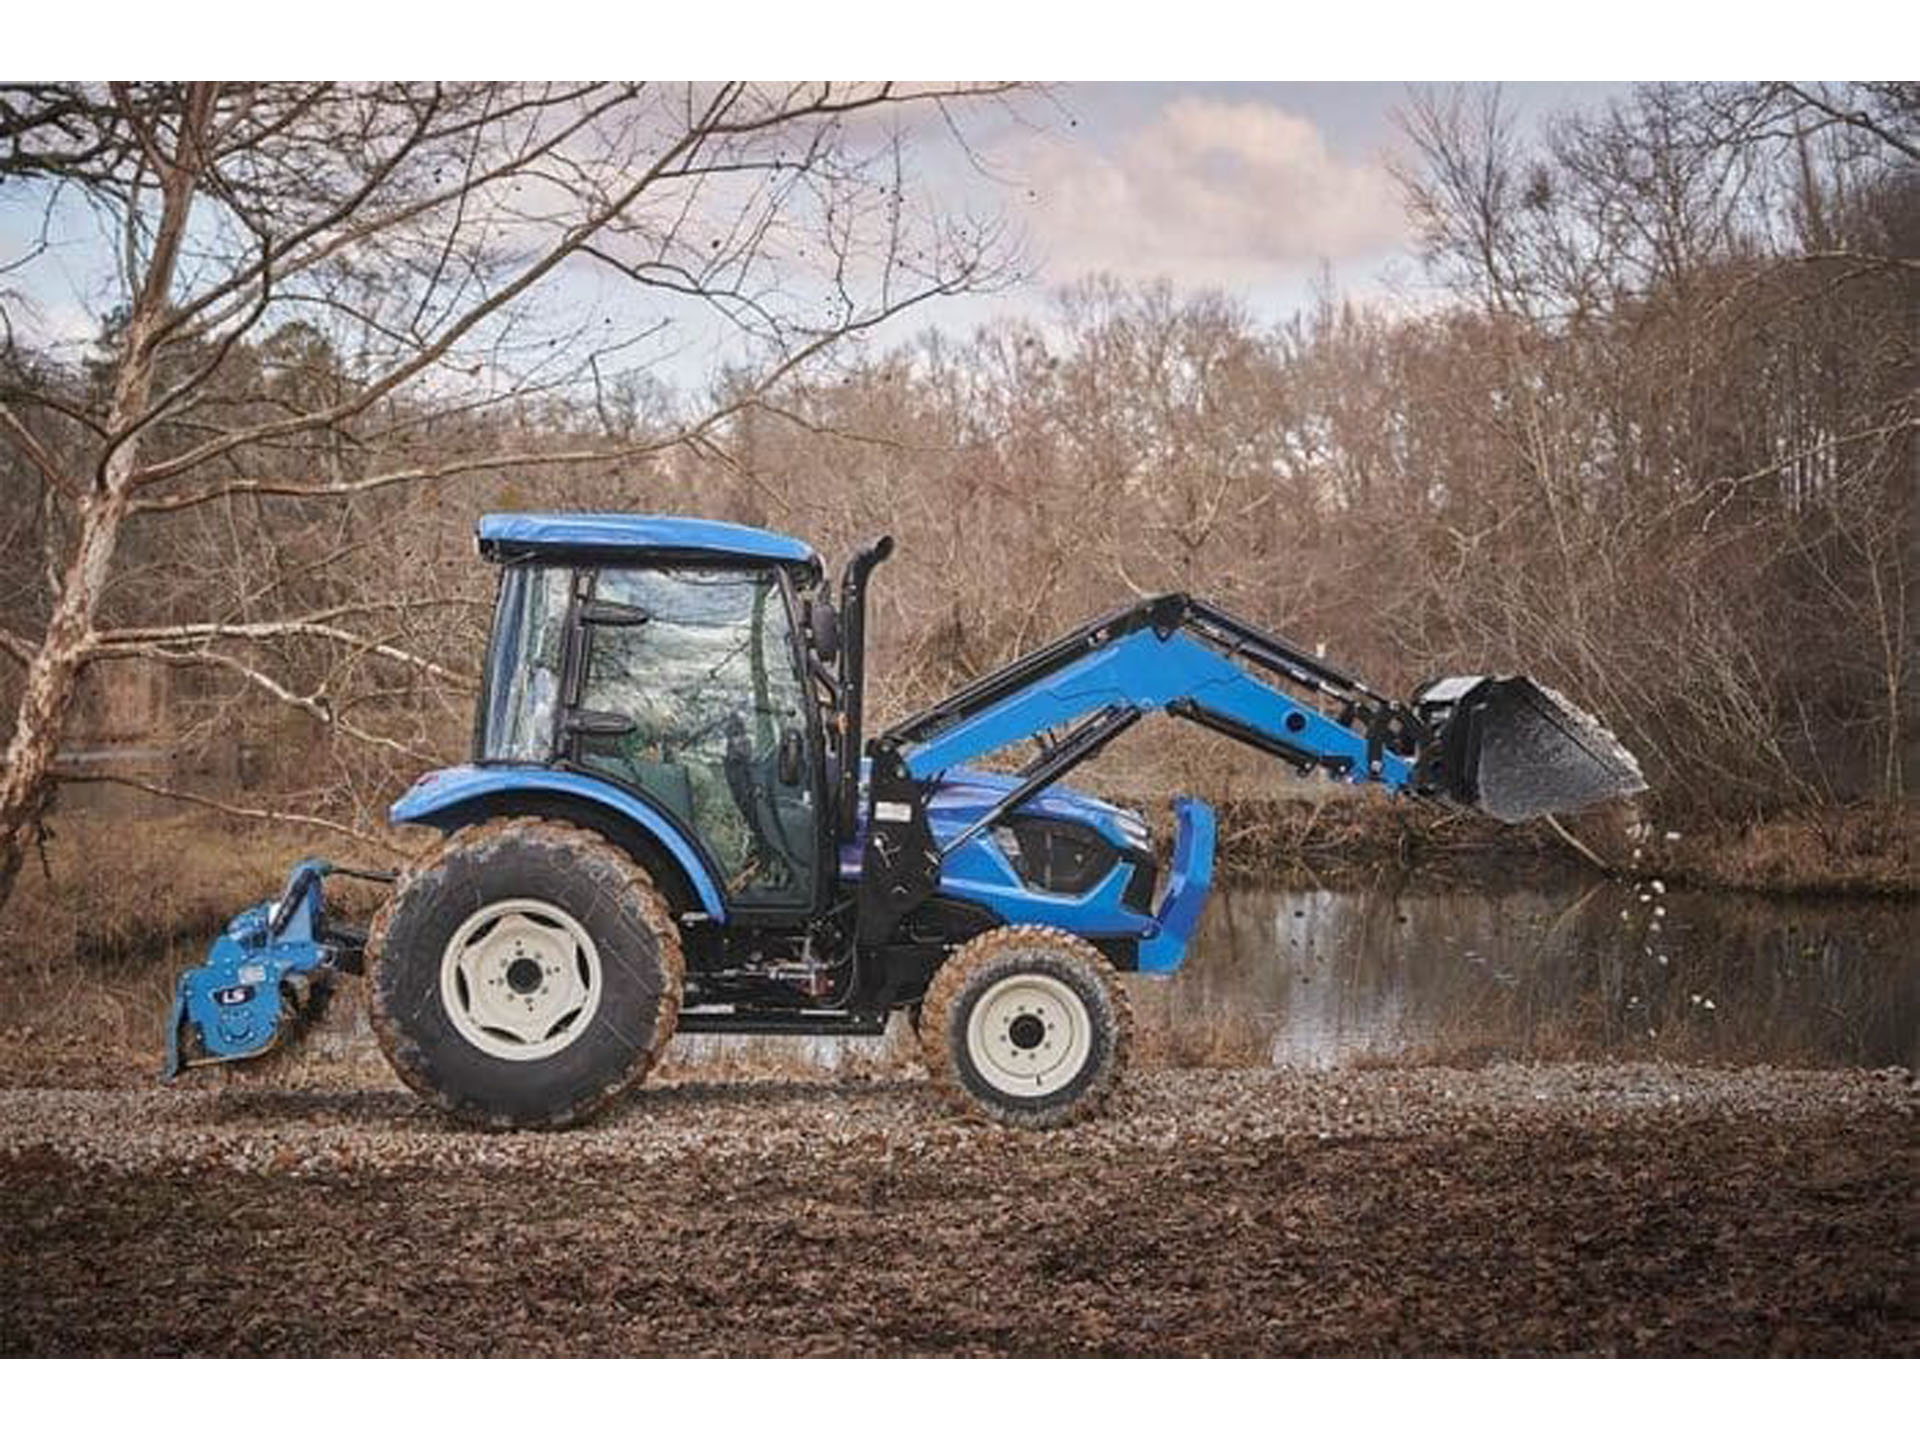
[(719, 725), (523, 667)]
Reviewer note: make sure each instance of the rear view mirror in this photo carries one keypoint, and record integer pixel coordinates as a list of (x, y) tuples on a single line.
[(823, 622), (792, 753), (598, 724)]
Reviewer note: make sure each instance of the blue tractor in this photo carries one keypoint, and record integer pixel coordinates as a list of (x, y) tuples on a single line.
[(671, 824)]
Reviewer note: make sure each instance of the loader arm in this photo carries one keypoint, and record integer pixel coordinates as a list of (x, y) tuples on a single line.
[(1506, 747), (1186, 658)]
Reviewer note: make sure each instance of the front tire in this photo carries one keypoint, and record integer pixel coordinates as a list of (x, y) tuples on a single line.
[(526, 975), (1028, 1026)]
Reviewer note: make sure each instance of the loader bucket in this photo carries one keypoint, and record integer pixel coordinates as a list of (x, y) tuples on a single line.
[(1514, 749)]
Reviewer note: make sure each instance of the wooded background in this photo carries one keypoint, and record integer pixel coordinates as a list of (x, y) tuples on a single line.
[(1651, 440)]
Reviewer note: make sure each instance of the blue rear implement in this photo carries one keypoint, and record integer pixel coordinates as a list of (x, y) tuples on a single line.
[(674, 821), (271, 967)]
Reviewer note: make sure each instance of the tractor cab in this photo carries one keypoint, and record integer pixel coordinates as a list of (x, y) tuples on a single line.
[(670, 659)]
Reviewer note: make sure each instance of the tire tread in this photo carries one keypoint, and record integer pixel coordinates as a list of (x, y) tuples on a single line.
[(950, 983), (587, 846)]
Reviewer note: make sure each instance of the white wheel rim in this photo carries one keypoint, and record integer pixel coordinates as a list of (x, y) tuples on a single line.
[(520, 979), (1029, 1035)]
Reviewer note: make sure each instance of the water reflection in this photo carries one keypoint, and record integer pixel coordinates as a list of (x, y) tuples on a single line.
[(1325, 977)]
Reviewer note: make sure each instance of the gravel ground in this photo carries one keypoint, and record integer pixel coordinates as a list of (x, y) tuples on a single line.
[(1517, 1209)]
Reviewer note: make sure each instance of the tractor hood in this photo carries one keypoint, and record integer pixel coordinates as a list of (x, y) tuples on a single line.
[(962, 796)]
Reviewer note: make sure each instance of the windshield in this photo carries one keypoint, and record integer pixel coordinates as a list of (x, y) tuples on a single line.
[(522, 694), (718, 734)]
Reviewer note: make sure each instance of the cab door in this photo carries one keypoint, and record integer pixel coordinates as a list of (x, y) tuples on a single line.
[(689, 692)]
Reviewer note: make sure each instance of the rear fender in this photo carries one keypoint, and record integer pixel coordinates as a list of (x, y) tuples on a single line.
[(448, 799)]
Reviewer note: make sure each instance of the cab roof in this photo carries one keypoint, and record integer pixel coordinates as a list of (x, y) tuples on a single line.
[(609, 537)]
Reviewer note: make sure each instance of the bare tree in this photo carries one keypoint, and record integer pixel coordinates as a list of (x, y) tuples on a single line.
[(1696, 346), (462, 256)]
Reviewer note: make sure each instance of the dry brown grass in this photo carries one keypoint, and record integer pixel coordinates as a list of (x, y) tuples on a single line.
[(1861, 850), (1342, 838), (1337, 836), (95, 936)]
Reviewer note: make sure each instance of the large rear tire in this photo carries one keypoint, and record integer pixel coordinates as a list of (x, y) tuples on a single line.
[(1028, 1026), (524, 975)]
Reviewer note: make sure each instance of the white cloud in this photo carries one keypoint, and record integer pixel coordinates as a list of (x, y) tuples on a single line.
[(1208, 192), (62, 326)]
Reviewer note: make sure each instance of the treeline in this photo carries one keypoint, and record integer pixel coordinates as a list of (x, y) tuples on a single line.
[(1653, 443), (1646, 434)]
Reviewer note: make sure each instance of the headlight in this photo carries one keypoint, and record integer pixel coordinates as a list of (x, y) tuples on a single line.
[(1059, 856)]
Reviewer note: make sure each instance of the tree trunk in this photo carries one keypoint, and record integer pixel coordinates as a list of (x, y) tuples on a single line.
[(27, 782)]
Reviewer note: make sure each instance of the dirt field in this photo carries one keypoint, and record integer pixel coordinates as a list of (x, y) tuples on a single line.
[(1519, 1209)]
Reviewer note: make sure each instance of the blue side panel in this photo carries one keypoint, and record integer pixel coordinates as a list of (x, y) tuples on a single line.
[(629, 533), (962, 796), (977, 871), (432, 796), (1188, 882), (1146, 670)]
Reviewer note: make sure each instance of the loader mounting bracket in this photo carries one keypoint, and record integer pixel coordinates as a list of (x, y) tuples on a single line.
[(901, 865)]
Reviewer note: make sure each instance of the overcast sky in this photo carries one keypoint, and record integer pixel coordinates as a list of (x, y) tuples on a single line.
[(1249, 188)]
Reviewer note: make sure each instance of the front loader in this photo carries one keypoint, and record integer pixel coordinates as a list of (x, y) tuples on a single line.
[(673, 823)]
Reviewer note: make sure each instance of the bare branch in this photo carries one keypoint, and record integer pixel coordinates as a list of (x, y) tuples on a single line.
[(29, 445), (1859, 119), (317, 705), (239, 812), (278, 629), (570, 243)]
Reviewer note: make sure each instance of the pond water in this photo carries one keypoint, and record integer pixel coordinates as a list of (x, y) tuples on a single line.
[(1324, 977)]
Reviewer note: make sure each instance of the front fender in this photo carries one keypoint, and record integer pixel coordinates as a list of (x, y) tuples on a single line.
[(436, 798)]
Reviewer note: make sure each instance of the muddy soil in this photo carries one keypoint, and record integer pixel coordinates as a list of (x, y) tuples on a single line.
[(1622, 1209)]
